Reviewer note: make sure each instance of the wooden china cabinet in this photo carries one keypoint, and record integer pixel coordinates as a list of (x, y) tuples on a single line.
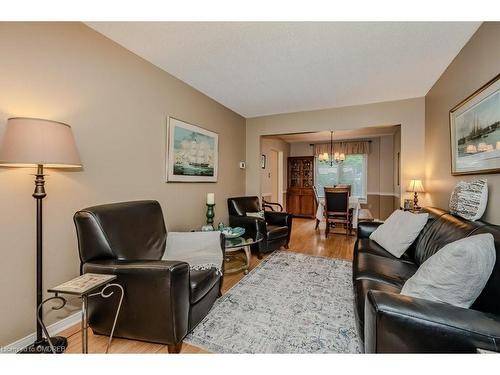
[(300, 195)]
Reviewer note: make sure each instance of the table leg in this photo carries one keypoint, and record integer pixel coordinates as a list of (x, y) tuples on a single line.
[(248, 255), (103, 294), (85, 343)]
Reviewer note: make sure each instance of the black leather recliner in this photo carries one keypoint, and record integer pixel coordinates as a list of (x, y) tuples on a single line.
[(392, 323), (276, 227), (164, 300)]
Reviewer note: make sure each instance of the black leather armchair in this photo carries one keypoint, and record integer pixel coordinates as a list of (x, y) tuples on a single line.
[(391, 323), (164, 300), (275, 227)]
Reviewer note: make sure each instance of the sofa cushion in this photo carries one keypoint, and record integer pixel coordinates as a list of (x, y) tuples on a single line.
[(200, 282), (361, 288), (276, 231), (399, 231), (387, 270), (444, 230), (456, 274)]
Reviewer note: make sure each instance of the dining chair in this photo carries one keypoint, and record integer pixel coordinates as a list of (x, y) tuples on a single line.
[(337, 209)]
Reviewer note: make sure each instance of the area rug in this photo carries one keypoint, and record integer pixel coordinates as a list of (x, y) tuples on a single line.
[(290, 303)]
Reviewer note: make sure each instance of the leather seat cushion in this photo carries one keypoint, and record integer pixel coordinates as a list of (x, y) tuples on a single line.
[(200, 282), (365, 245), (361, 288), (276, 231), (379, 268)]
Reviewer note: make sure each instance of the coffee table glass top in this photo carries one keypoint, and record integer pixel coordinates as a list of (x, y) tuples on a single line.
[(245, 240)]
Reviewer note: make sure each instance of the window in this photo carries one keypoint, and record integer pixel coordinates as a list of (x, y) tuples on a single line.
[(352, 171)]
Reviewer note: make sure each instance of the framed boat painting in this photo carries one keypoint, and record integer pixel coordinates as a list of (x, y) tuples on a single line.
[(192, 154), (475, 132)]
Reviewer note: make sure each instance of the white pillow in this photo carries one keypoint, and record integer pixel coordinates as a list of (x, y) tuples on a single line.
[(456, 274), (469, 199), (259, 214), (399, 231)]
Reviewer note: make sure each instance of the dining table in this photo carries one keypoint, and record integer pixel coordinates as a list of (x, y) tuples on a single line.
[(353, 203)]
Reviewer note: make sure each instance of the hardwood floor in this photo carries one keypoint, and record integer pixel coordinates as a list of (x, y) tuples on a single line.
[(305, 239)]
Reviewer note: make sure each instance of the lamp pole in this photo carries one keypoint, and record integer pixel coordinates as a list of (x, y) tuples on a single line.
[(39, 194), (41, 344)]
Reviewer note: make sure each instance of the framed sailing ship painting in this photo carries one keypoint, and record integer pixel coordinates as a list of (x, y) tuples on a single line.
[(192, 154), (475, 132)]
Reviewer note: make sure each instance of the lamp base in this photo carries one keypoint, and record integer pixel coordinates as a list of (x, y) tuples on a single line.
[(43, 347)]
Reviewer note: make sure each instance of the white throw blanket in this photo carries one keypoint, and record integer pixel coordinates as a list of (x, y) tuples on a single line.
[(201, 250)]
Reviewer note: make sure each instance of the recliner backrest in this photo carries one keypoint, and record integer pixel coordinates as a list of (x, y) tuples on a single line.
[(239, 206), (127, 231)]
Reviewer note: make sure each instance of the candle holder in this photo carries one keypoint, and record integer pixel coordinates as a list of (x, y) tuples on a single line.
[(210, 218)]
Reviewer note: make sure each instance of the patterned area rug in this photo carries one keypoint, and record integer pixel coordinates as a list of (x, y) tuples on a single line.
[(290, 303)]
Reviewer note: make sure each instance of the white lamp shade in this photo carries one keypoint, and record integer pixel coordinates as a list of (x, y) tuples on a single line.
[(416, 186), (29, 141)]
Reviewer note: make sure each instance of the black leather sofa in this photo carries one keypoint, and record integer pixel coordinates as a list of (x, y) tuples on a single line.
[(164, 300), (390, 323), (276, 227)]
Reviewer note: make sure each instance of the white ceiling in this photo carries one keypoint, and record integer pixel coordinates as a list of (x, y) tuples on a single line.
[(324, 136), (259, 68)]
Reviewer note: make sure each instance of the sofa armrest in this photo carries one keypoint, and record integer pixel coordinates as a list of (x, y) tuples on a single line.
[(365, 228), (278, 218), (252, 225), (156, 291), (396, 323)]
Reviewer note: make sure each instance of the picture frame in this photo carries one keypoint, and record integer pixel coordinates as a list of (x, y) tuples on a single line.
[(475, 132), (192, 153), (408, 204), (263, 161)]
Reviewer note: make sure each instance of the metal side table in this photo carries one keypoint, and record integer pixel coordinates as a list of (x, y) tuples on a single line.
[(85, 286)]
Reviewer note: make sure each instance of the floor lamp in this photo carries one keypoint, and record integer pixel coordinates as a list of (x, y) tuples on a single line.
[(31, 142)]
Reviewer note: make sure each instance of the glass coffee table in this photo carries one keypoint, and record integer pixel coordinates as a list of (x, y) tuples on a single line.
[(239, 249)]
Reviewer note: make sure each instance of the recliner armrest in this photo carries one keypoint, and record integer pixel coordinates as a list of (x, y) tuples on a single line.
[(278, 218), (365, 228), (161, 284), (396, 323)]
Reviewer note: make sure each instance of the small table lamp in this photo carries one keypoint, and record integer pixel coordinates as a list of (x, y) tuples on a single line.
[(31, 142), (416, 187)]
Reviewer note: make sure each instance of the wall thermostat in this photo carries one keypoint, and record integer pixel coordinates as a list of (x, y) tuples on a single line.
[(243, 165)]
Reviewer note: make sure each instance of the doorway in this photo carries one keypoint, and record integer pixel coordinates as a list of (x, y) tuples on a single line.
[(276, 175)]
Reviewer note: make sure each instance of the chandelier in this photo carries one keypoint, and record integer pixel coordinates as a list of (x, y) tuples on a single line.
[(337, 157)]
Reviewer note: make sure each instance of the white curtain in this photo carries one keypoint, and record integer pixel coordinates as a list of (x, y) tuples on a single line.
[(347, 148)]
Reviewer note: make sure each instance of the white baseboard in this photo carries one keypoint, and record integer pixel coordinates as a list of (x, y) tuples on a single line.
[(53, 329)]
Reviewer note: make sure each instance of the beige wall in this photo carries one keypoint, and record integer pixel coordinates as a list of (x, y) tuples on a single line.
[(266, 145), (117, 104), (408, 113), (476, 64)]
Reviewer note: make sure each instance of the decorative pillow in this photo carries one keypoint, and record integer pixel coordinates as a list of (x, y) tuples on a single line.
[(259, 214), (456, 274), (399, 231), (469, 199)]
